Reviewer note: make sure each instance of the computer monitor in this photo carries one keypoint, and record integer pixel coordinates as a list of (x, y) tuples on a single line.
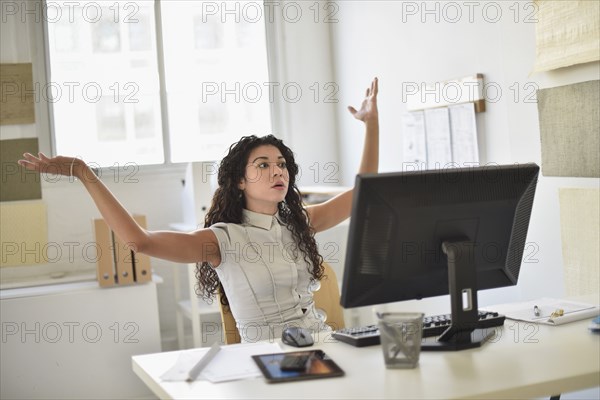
[(429, 233)]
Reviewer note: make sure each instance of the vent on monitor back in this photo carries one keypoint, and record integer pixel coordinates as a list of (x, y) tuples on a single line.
[(519, 233), (460, 186), (375, 240)]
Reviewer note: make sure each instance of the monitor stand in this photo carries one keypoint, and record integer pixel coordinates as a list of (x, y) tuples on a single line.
[(462, 281)]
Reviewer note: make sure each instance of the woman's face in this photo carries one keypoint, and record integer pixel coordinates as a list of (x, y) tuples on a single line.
[(266, 180)]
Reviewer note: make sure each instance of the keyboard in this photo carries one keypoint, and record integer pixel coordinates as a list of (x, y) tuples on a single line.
[(432, 326)]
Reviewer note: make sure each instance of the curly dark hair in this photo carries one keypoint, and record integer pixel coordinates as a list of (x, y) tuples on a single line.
[(228, 203)]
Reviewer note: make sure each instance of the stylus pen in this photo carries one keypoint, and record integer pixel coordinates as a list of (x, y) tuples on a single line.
[(197, 369)]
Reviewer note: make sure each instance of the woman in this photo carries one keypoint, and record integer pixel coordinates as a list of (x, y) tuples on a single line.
[(258, 241)]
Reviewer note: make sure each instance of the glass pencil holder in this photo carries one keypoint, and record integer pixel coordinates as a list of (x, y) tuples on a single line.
[(400, 334)]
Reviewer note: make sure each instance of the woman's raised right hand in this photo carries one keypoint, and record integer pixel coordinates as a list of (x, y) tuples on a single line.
[(59, 165)]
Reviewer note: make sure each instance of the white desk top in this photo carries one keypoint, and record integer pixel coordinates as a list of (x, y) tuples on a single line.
[(524, 360)]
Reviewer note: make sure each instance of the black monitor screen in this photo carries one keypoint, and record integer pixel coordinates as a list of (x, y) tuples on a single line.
[(400, 220)]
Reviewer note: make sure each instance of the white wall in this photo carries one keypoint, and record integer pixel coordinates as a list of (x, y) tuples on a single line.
[(384, 39), (303, 60)]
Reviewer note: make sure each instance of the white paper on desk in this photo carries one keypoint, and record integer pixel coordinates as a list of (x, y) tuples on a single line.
[(235, 361), (184, 364), (232, 362), (523, 311)]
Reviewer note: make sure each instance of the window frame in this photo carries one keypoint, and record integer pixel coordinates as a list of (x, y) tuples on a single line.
[(274, 69)]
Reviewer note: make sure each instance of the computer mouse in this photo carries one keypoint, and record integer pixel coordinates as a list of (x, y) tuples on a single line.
[(297, 337)]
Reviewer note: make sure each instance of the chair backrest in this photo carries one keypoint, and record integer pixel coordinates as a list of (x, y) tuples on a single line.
[(228, 324), (327, 300)]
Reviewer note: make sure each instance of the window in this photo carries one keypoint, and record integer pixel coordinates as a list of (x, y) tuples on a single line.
[(151, 82)]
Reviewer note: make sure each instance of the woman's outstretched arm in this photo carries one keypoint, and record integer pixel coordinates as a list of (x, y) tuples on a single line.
[(197, 246), (332, 212)]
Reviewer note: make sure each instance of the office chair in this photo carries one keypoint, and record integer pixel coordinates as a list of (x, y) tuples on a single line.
[(228, 323), (327, 300)]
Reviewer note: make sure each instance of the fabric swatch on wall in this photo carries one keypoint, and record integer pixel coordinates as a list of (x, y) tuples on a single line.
[(566, 33), (580, 224), (569, 119), (24, 233), (17, 182), (16, 94)]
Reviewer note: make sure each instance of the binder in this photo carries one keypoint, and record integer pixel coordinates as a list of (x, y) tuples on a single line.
[(123, 261), (105, 270), (141, 262), (116, 263)]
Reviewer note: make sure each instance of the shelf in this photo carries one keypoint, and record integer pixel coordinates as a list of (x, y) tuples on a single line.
[(203, 309)]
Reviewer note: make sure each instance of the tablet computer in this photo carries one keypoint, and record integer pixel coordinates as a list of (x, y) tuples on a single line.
[(296, 366)]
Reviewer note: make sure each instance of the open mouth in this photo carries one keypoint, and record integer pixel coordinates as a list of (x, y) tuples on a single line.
[(278, 185)]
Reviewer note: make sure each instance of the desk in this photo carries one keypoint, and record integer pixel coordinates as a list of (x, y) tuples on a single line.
[(524, 360)]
